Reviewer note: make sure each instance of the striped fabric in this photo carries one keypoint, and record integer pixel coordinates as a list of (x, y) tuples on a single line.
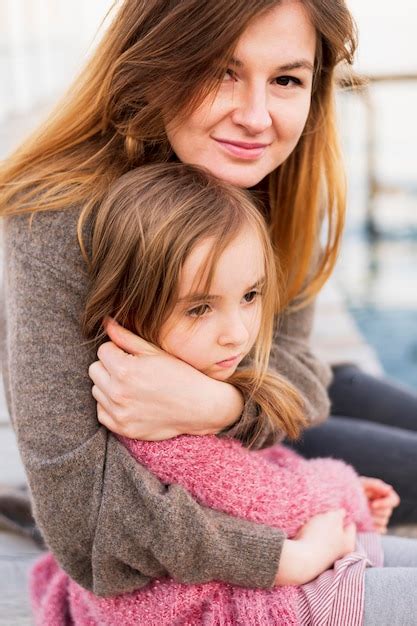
[(336, 598)]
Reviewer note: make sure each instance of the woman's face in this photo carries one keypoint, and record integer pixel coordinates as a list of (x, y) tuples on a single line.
[(214, 331), (255, 120)]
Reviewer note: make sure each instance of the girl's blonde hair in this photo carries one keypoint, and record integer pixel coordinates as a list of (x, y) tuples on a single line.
[(149, 223), (158, 60)]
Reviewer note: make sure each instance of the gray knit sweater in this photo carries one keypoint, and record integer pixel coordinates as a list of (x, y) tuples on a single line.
[(111, 524)]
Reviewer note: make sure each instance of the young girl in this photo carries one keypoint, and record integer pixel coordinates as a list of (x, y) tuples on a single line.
[(197, 277)]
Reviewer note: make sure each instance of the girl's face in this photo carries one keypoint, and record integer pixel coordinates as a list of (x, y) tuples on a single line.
[(214, 331), (254, 122)]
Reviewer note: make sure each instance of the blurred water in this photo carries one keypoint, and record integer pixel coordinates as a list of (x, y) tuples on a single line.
[(379, 278)]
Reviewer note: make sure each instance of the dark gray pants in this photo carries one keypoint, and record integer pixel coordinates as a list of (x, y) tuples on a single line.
[(374, 428)]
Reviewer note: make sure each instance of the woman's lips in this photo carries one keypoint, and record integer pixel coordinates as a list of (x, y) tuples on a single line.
[(243, 150)]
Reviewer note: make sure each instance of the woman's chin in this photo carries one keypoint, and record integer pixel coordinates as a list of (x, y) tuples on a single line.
[(244, 179), (243, 175)]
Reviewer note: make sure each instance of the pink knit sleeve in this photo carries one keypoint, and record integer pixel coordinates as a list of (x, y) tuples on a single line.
[(274, 487)]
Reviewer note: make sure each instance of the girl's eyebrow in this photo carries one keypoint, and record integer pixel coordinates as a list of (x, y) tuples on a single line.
[(302, 64), (194, 298)]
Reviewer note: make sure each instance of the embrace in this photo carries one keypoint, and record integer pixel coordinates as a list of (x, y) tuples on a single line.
[(164, 244)]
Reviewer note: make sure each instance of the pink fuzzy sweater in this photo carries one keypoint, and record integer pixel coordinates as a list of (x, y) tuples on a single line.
[(273, 486)]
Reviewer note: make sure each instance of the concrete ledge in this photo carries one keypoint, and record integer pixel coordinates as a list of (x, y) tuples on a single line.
[(16, 557)]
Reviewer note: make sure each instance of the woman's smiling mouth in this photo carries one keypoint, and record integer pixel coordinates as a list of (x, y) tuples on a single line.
[(241, 149)]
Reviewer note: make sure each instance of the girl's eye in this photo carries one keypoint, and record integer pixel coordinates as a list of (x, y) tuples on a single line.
[(285, 81), (251, 296), (198, 311), (229, 75)]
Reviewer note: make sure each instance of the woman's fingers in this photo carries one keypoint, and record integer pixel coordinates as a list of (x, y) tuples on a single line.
[(102, 399), (126, 340), (104, 418), (99, 375), (114, 359)]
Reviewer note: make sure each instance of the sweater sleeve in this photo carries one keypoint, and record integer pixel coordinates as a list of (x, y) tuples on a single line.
[(111, 524), (291, 357)]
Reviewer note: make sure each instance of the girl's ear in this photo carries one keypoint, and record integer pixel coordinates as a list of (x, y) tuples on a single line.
[(126, 340)]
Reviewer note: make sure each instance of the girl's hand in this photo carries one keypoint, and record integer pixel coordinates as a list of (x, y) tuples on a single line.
[(382, 500), (323, 540), (144, 393)]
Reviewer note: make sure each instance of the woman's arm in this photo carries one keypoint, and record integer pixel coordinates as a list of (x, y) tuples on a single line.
[(110, 523), (133, 402), (291, 356), (125, 387)]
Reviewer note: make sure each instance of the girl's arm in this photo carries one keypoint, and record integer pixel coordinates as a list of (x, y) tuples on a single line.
[(111, 524)]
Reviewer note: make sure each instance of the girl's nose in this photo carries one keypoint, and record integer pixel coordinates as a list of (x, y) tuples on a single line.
[(252, 111), (234, 332)]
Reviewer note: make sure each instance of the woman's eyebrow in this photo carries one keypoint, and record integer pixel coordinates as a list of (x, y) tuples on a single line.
[(303, 64)]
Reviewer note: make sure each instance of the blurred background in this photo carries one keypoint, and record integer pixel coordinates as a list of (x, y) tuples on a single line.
[(43, 43)]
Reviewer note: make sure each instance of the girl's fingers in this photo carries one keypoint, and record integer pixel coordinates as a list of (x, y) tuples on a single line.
[(374, 487), (380, 503), (390, 501), (394, 499), (382, 517)]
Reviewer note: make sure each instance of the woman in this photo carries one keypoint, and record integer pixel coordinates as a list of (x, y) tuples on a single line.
[(260, 99)]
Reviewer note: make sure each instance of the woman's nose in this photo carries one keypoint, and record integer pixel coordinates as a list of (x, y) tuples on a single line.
[(234, 332), (252, 111)]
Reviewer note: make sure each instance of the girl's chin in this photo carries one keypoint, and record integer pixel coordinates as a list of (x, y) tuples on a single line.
[(222, 374)]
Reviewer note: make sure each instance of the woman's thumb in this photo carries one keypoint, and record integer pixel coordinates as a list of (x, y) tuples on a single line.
[(126, 340)]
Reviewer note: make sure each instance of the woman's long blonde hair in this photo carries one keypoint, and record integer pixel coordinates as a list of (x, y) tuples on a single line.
[(157, 60), (147, 226)]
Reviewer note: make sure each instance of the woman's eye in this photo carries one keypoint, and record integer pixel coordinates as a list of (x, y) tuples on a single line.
[(198, 311), (251, 296), (285, 81)]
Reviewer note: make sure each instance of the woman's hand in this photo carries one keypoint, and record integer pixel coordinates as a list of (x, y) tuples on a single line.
[(382, 500), (323, 540), (144, 393)]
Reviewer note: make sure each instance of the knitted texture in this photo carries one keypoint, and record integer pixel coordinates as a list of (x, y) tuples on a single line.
[(275, 487)]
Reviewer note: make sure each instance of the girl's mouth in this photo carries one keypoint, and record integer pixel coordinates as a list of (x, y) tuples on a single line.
[(229, 362)]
